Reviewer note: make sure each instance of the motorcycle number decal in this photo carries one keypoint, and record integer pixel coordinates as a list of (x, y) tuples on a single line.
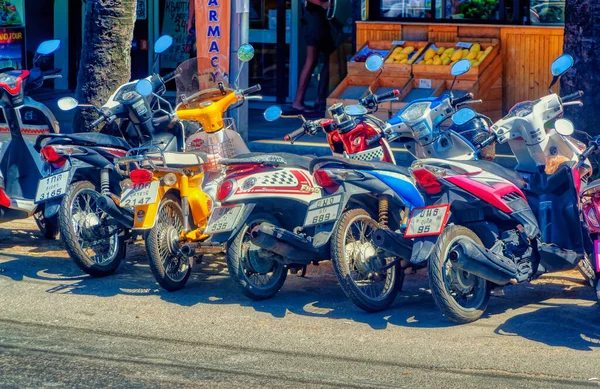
[(52, 186), (427, 221), (325, 210), (139, 194)]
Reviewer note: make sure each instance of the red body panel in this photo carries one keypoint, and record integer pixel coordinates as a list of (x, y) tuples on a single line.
[(354, 141), (490, 192), (18, 76)]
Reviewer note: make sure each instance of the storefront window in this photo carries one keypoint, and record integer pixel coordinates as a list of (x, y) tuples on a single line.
[(547, 12), (406, 9), (468, 9)]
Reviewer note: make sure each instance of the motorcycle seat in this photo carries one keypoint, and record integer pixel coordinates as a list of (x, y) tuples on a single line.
[(359, 165), (178, 160), (500, 171), (273, 159), (88, 139)]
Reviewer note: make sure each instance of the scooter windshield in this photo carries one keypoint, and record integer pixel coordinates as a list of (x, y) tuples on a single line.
[(198, 81)]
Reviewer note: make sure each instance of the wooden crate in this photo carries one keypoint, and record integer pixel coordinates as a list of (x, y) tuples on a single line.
[(420, 70), (350, 90), (403, 70), (357, 68)]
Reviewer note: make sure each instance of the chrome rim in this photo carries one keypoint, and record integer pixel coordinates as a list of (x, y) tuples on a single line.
[(168, 229), (466, 289), (94, 238), (362, 262), (259, 268)]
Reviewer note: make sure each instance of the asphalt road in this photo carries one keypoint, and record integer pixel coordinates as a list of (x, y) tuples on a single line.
[(59, 328)]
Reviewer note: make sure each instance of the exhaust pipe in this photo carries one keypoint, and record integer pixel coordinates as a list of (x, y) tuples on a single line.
[(122, 215), (393, 242), (201, 248), (483, 263), (293, 248)]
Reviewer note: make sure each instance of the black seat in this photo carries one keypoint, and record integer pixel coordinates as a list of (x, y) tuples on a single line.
[(360, 165), (274, 159), (501, 171), (89, 139)]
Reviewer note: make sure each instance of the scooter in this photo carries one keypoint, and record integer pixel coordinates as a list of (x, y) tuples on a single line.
[(173, 192), (485, 225), (364, 197), (265, 221), (22, 120), (82, 184)]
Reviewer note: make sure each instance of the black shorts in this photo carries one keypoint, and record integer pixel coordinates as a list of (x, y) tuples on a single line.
[(317, 32)]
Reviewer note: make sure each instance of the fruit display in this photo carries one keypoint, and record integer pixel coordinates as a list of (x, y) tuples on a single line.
[(449, 55), (404, 55), (365, 52)]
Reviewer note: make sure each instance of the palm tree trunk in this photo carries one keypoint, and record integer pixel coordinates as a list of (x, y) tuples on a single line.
[(105, 55), (582, 41)]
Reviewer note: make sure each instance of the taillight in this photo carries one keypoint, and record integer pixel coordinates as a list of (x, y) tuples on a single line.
[(590, 215), (141, 176), (49, 154), (323, 179), (4, 200), (427, 181), (114, 152), (225, 189)]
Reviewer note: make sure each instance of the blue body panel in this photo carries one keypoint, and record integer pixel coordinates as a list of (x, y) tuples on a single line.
[(405, 189)]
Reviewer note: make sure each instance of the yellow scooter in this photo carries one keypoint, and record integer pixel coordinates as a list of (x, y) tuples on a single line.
[(173, 192)]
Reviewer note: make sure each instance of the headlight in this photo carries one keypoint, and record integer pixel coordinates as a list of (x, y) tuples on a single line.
[(414, 111)]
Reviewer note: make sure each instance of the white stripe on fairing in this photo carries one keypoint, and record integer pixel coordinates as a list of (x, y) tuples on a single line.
[(325, 145)]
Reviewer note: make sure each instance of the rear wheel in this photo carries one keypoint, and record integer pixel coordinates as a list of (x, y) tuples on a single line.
[(462, 297), (95, 247), (48, 226), (170, 267), (255, 271), (357, 264)]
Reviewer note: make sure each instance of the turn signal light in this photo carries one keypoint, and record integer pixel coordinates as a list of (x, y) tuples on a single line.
[(141, 176), (427, 181), (225, 189), (50, 155)]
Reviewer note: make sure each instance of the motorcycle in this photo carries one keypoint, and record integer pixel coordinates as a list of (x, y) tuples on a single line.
[(173, 192), (265, 219), (82, 183), (367, 197), (485, 225), (22, 120)]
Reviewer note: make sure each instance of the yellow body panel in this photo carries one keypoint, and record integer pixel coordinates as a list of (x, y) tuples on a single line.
[(144, 216), (211, 115)]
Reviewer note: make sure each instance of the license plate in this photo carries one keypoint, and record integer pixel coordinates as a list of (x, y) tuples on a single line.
[(427, 221), (325, 210), (223, 219), (139, 194), (52, 186)]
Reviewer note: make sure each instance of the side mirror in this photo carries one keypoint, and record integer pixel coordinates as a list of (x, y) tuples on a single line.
[(162, 44), (272, 113), (463, 116), (48, 47), (67, 103), (461, 67), (245, 52), (560, 67), (564, 127), (144, 87), (374, 62)]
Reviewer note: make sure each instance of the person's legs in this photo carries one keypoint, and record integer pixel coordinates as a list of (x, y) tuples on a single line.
[(323, 83), (312, 55)]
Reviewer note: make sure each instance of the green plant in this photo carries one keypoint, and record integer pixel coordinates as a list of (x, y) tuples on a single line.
[(478, 9)]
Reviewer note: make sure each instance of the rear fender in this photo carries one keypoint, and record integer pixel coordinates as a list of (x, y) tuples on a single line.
[(52, 207)]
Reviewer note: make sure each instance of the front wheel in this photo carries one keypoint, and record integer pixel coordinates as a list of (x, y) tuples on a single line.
[(48, 226), (170, 267), (461, 296), (358, 264), (255, 271), (93, 245)]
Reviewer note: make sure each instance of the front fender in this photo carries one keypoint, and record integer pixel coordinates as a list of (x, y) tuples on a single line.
[(52, 207)]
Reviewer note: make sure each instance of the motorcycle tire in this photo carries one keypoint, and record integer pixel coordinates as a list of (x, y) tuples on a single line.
[(47, 226), (70, 237), (168, 226), (343, 270), (439, 279), (240, 264)]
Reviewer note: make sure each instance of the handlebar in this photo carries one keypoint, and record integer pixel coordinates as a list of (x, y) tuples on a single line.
[(97, 121), (388, 95), (169, 77), (161, 119), (252, 89), (462, 99), (374, 139), (292, 136), (572, 96), (372, 100)]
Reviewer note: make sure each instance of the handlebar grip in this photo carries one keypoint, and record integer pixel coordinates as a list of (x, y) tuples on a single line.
[(462, 99), (388, 95), (294, 134), (252, 89), (97, 122), (161, 119), (572, 96), (169, 77), (374, 139)]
